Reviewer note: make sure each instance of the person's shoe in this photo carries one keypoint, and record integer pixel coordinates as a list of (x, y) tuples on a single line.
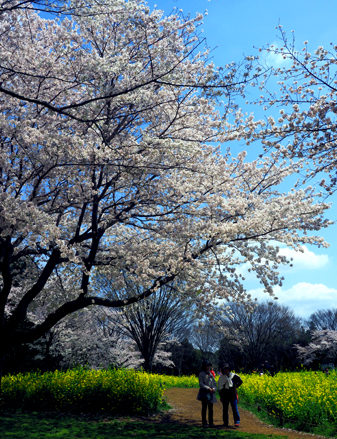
[(212, 425), (237, 425), (205, 425)]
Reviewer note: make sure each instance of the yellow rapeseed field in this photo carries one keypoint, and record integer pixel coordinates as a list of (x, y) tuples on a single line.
[(85, 390), (175, 381), (309, 397)]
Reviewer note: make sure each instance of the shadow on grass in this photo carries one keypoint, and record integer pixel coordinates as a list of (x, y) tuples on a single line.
[(59, 426)]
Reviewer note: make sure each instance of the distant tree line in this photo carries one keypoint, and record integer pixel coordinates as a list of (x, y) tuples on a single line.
[(164, 337)]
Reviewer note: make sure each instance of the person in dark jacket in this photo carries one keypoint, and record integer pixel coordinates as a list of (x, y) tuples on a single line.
[(206, 394), (227, 385)]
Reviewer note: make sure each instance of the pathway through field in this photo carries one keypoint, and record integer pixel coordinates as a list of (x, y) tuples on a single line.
[(187, 410)]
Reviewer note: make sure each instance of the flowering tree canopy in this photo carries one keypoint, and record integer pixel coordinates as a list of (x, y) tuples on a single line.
[(306, 126), (80, 339), (110, 160), (322, 346)]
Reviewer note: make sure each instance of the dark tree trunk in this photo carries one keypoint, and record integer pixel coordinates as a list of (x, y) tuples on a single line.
[(2, 363), (148, 363)]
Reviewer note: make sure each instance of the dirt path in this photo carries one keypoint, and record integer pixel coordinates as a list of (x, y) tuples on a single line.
[(187, 410)]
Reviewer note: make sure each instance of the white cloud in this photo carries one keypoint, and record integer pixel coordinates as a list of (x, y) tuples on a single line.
[(304, 298), (306, 260)]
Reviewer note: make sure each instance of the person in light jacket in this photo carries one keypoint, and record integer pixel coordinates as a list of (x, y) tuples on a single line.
[(227, 385), (206, 394)]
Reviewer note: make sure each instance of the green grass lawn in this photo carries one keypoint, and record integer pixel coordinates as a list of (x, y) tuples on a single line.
[(58, 426)]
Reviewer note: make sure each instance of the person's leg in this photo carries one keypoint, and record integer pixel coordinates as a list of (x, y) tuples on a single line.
[(210, 413), (203, 412), (225, 403), (236, 415)]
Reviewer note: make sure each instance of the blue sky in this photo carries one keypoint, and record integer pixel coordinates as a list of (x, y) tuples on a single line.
[(236, 27)]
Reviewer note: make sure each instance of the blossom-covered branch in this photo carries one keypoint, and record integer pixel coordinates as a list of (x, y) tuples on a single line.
[(305, 129)]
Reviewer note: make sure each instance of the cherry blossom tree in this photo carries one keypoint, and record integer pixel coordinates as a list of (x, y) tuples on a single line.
[(47, 6), (147, 52), (80, 340), (305, 128), (56, 8), (111, 125), (322, 346)]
